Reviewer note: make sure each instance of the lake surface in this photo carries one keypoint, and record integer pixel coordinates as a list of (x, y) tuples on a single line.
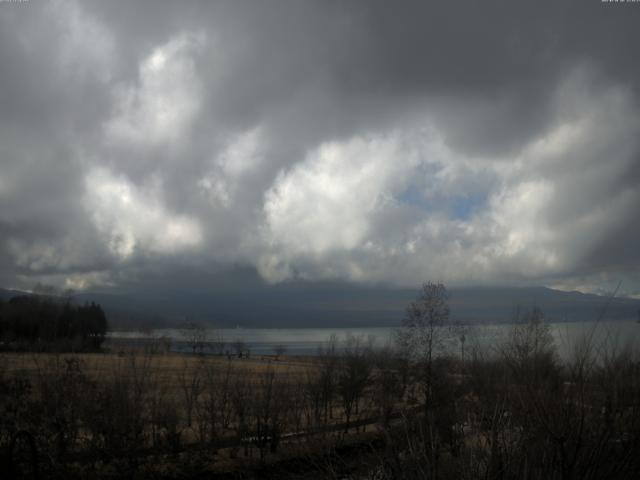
[(306, 341)]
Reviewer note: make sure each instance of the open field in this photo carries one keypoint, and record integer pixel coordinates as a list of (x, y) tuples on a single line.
[(168, 366)]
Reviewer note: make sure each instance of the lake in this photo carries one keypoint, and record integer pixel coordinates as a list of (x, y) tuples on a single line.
[(306, 341)]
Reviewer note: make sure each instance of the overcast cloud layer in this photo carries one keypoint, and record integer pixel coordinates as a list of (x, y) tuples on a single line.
[(370, 142)]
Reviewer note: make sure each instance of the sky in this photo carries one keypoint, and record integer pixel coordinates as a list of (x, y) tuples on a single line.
[(364, 142)]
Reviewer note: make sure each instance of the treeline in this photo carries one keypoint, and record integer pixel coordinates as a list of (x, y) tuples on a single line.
[(48, 323)]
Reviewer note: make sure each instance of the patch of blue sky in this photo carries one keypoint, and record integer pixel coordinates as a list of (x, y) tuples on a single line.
[(464, 207), (414, 196), (457, 207)]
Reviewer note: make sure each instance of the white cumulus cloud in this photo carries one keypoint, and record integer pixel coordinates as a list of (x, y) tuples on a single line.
[(132, 218), (160, 107)]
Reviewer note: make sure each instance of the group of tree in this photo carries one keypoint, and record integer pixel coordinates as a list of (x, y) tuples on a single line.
[(514, 409), (44, 322)]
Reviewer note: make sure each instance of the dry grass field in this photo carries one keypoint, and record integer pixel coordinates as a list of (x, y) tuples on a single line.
[(168, 367)]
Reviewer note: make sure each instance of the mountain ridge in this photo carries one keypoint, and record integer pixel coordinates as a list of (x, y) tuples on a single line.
[(339, 306)]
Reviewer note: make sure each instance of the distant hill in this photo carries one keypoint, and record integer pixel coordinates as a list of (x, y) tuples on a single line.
[(329, 305), (6, 294)]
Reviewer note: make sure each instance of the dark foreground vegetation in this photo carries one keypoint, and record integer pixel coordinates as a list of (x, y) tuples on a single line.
[(513, 411), (50, 323)]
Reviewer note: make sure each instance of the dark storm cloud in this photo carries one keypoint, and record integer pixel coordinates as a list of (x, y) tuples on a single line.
[(477, 142)]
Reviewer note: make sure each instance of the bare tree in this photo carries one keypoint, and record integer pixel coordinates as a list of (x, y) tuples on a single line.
[(190, 379), (425, 331), (270, 404), (217, 343), (195, 335), (354, 375), (387, 384), (239, 346), (328, 360), (530, 349), (424, 334), (279, 350), (217, 408), (243, 407)]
